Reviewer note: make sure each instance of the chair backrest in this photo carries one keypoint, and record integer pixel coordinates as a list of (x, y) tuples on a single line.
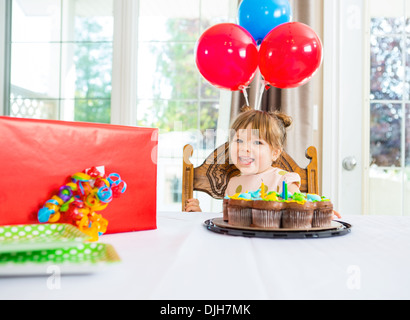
[(214, 174)]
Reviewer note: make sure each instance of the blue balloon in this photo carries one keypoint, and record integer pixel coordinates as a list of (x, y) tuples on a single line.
[(259, 17)]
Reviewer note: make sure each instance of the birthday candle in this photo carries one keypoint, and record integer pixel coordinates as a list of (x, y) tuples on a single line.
[(263, 190), (284, 190)]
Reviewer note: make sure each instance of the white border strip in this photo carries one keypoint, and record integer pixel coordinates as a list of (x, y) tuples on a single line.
[(124, 68), (331, 172)]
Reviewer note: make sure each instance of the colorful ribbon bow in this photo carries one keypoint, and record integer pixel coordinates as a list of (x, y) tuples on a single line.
[(78, 201)]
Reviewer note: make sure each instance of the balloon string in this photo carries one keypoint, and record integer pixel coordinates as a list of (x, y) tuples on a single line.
[(246, 96), (262, 89)]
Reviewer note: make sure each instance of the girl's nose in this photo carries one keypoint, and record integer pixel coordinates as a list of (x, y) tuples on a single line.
[(245, 146)]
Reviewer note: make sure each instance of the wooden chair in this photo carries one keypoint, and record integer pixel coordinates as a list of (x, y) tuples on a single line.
[(214, 174)]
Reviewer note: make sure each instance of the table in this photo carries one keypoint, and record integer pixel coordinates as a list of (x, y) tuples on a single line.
[(184, 260)]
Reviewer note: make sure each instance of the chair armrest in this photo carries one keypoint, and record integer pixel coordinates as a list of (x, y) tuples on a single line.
[(187, 175)]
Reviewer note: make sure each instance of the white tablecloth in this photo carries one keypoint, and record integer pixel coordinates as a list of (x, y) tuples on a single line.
[(184, 260)]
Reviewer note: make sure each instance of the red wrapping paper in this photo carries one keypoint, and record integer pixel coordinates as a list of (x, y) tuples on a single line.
[(38, 156)]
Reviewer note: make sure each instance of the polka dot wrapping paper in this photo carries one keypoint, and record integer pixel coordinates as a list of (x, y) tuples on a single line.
[(39, 237), (89, 253), (31, 249)]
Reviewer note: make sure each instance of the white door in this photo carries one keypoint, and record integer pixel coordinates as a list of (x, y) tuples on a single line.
[(343, 100), (366, 106)]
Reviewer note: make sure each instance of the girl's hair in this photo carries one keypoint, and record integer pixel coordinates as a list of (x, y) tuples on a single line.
[(271, 125)]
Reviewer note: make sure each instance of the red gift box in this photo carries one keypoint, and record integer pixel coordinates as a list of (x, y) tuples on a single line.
[(38, 156)]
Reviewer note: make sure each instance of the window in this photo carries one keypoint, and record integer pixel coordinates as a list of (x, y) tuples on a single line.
[(390, 107), (61, 57), (171, 94)]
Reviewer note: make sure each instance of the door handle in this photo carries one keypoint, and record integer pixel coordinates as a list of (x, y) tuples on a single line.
[(349, 163)]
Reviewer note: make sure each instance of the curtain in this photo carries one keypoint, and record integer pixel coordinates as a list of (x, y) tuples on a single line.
[(303, 104)]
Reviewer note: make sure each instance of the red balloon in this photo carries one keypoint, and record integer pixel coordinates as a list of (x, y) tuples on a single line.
[(290, 55), (227, 56)]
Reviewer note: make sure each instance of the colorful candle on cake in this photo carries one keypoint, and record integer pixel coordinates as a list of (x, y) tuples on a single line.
[(263, 194), (284, 191)]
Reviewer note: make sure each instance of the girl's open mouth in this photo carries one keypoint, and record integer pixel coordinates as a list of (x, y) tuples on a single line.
[(245, 161)]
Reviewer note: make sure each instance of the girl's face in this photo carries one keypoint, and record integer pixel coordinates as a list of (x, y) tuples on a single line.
[(251, 154)]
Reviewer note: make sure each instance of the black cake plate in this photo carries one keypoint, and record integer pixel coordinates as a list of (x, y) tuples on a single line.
[(338, 228)]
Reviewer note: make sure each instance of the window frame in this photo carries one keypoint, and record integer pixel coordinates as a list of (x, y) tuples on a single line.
[(403, 102), (5, 52), (125, 63), (124, 68)]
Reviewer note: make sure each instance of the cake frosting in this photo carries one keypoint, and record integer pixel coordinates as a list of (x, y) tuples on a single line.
[(273, 210)]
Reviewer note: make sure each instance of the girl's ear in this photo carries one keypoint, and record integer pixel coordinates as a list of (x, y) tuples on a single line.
[(276, 154)]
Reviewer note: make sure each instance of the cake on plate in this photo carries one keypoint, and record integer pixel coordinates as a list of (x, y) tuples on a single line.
[(275, 210)]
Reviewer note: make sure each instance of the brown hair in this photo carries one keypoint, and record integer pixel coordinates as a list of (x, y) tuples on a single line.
[(271, 125)]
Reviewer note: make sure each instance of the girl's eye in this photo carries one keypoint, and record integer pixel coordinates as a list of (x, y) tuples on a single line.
[(238, 141), (257, 142)]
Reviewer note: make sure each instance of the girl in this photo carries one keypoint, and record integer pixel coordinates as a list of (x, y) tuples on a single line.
[(256, 141)]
